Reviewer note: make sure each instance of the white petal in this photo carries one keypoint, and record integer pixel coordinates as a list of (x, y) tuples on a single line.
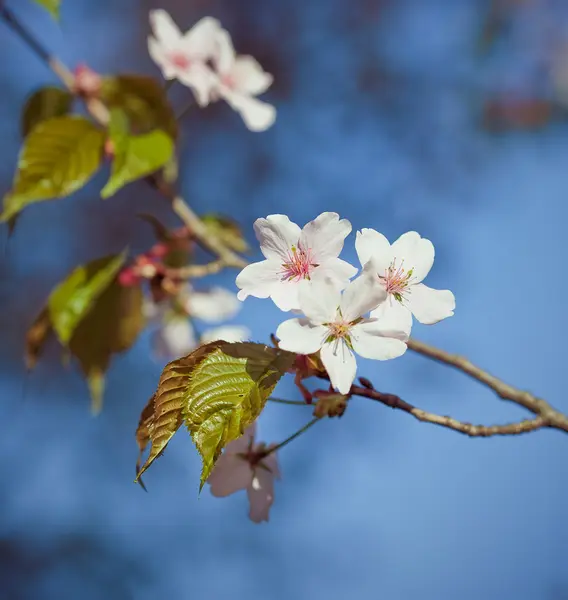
[(430, 306), (362, 295), (260, 494), (230, 474), (258, 279), (276, 235), (201, 40), (257, 115), (325, 236), (393, 318), (340, 364), (213, 306), (176, 338), (370, 342), (319, 300), (249, 77), (300, 336), (417, 253), (166, 31), (285, 295), (160, 57), (201, 80), (336, 269), (372, 245), (224, 58), (227, 333)]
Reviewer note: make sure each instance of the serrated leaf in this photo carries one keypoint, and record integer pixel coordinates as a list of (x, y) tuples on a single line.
[(226, 392), (143, 435), (58, 157), (52, 7), (36, 338), (144, 101), (46, 103), (134, 156), (72, 299), (111, 326), (227, 230)]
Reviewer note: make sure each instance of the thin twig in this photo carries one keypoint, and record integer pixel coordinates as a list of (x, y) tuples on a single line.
[(289, 439), (196, 271), (282, 401)]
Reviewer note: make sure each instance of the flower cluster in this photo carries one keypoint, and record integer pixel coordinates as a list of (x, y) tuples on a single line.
[(204, 59)]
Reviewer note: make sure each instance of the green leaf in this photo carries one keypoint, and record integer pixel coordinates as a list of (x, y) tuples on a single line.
[(135, 156), (52, 6), (143, 100), (59, 156), (45, 103), (227, 230), (226, 392), (72, 299), (111, 326)]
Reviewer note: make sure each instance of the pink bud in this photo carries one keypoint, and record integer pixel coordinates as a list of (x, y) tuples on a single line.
[(88, 82), (127, 278)]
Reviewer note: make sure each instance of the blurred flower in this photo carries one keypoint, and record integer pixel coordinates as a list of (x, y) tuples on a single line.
[(213, 305), (226, 333), (400, 269), (295, 258), (335, 326), (240, 467), (241, 78), (184, 56)]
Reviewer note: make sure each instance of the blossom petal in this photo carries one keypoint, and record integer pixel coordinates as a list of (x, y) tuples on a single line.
[(325, 236), (340, 365), (271, 462), (319, 300), (231, 474), (258, 279), (335, 269), (362, 295), (370, 342), (430, 306), (257, 115), (249, 77), (300, 336), (201, 79), (243, 443), (166, 31), (176, 338), (159, 55), (417, 253), (393, 318), (227, 333), (276, 235), (224, 58), (200, 42), (372, 245), (213, 306), (260, 494)]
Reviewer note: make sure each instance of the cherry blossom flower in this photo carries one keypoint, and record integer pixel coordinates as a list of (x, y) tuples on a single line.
[(401, 267), (241, 78), (240, 468), (184, 56), (295, 257), (226, 333), (336, 327), (213, 305)]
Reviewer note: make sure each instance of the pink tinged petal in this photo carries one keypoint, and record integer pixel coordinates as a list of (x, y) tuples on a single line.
[(362, 295), (370, 342), (213, 306), (319, 300), (201, 80), (260, 494), (417, 253), (224, 57), (258, 279), (276, 235), (159, 56), (325, 236), (301, 336), (243, 443), (227, 333), (372, 245), (249, 77), (393, 319), (430, 306), (271, 463), (166, 31), (257, 115), (200, 42), (340, 364), (231, 474)]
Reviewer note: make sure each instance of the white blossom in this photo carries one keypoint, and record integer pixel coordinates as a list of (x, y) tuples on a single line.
[(237, 469), (295, 257), (335, 325), (226, 333), (184, 56), (400, 269), (213, 305)]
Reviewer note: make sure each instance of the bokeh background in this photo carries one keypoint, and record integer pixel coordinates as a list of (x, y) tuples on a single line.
[(442, 116)]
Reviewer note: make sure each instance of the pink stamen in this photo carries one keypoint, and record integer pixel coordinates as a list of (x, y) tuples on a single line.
[(396, 279), (299, 264)]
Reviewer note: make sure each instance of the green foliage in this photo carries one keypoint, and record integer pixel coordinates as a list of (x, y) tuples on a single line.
[(52, 6), (143, 100), (72, 299), (227, 230), (46, 103), (218, 390), (59, 156), (134, 156)]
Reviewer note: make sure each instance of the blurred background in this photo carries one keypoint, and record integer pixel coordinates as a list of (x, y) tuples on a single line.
[(443, 116)]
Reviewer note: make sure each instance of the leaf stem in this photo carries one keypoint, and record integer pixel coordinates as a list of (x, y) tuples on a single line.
[(185, 110), (294, 402), (292, 437)]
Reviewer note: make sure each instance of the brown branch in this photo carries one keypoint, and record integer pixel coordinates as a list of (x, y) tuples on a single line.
[(195, 271)]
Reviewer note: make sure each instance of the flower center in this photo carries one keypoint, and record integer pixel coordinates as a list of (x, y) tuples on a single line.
[(229, 81), (299, 264), (396, 280), (180, 60)]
